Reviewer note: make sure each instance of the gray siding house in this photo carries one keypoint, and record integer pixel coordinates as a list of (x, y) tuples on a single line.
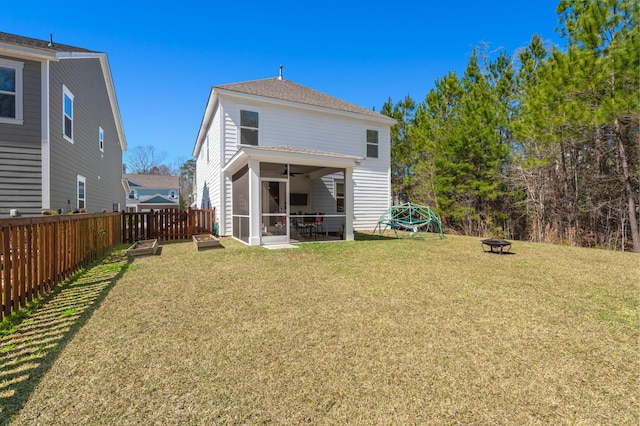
[(61, 135)]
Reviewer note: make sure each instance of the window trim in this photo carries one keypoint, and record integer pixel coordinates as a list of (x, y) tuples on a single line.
[(83, 180), (375, 144), (240, 126), (19, 69), (101, 139), (66, 92), (337, 182)]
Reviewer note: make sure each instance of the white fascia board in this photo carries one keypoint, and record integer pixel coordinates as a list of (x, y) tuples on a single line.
[(26, 52), (80, 55), (206, 121), (248, 97), (125, 186), (108, 80)]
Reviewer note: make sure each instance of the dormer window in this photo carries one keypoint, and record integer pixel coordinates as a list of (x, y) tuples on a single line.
[(249, 127)]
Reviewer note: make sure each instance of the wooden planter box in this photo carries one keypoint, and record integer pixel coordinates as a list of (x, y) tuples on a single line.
[(143, 248), (205, 241)]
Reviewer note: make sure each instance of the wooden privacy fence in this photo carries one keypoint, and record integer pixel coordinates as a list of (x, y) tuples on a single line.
[(166, 225), (36, 253)]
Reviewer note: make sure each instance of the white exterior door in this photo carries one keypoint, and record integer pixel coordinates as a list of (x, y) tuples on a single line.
[(274, 194)]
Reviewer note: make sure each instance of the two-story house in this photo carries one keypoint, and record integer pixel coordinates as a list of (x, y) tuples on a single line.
[(61, 135), (152, 192), (274, 156)]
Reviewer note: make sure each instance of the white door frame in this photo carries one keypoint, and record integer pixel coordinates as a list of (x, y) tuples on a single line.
[(275, 239)]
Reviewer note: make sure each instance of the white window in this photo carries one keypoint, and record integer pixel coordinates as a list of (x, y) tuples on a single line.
[(101, 139), (11, 91), (372, 143), (82, 192), (339, 194), (67, 114), (173, 194), (133, 195), (249, 127)]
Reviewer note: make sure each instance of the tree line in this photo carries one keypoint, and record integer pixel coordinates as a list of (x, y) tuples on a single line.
[(541, 145)]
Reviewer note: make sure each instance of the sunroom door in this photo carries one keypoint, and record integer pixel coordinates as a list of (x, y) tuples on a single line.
[(275, 224)]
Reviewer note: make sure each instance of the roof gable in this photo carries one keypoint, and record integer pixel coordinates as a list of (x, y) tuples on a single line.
[(158, 199), (285, 90), (153, 181), (278, 89), (41, 50)]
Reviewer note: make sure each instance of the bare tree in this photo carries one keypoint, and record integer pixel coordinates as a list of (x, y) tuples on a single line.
[(146, 160)]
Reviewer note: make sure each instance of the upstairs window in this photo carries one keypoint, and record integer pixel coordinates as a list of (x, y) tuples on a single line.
[(67, 114), (249, 127), (101, 139), (82, 192), (173, 194), (11, 91), (372, 143)]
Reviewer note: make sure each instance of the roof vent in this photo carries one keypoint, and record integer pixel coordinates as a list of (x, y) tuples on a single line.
[(50, 40), (280, 76)]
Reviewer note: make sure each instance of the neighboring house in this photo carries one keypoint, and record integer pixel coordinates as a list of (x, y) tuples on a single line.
[(151, 192), (272, 153), (61, 136)]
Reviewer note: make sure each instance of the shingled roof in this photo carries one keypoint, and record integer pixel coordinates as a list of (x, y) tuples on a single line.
[(285, 90), (40, 44), (153, 181)]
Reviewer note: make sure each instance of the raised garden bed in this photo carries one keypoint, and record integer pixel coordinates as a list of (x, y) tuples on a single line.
[(205, 241), (143, 248)]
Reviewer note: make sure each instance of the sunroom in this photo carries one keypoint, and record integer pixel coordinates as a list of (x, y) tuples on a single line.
[(285, 194)]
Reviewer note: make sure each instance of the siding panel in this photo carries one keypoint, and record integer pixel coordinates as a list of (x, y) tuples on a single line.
[(20, 150)]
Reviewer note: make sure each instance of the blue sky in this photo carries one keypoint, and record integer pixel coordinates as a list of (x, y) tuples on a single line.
[(165, 56)]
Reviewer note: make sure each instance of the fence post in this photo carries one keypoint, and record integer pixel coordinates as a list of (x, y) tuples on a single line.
[(191, 222)]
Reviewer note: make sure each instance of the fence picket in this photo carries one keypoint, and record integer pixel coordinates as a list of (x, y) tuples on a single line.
[(5, 263), (166, 225)]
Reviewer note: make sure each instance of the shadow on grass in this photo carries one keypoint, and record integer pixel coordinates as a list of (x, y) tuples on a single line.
[(31, 348), (390, 235)]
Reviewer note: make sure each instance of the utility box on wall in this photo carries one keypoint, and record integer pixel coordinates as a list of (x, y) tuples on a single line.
[(14, 213)]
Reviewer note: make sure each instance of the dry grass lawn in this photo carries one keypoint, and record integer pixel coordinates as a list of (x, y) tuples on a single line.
[(365, 332)]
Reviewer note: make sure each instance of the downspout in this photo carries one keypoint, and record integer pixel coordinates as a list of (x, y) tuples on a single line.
[(45, 158), (349, 203)]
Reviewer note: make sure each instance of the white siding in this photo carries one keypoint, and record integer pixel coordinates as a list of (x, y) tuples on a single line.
[(208, 167)]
